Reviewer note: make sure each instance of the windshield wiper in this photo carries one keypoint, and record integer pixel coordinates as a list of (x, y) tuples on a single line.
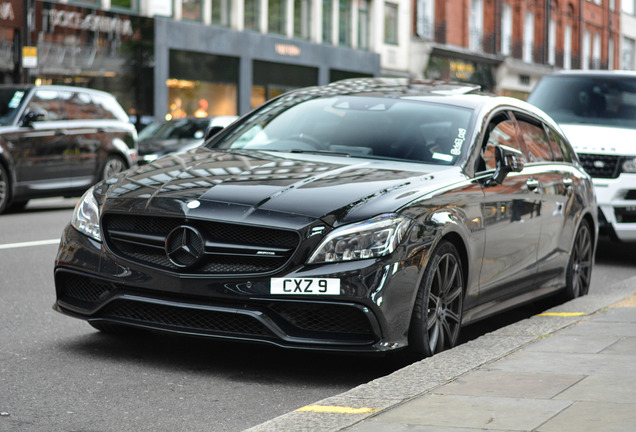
[(320, 152)]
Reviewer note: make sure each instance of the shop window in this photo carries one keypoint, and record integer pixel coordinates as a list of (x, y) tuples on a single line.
[(302, 19), (220, 13), (276, 16), (124, 4), (191, 10), (344, 22), (390, 23), (273, 79), (252, 15)]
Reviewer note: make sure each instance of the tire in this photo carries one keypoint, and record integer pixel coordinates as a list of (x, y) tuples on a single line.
[(4, 189), (438, 309), (113, 166), (579, 271)]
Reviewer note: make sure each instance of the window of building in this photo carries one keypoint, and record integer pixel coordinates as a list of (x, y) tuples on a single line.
[(425, 19), (252, 15), (363, 24), (528, 38), (587, 50), (476, 25), (627, 6), (274, 79), (344, 22), (327, 20), (567, 47), (276, 12), (302, 19), (628, 48), (610, 54), (124, 4), (191, 10), (552, 42), (596, 52), (506, 29), (220, 13), (390, 23)]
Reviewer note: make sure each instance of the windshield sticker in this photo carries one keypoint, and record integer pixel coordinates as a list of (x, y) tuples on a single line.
[(459, 142), (15, 100), (442, 157)]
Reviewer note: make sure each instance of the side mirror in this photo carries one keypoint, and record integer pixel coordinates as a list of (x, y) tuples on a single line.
[(32, 116), (507, 160), (212, 131)]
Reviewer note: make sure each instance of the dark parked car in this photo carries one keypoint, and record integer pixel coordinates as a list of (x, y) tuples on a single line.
[(161, 138), (365, 215), (58, 140)]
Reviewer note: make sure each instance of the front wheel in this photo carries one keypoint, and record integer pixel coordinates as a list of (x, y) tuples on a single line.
[(579, 271), (437, 314)]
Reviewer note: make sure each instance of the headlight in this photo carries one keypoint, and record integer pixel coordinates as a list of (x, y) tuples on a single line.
[(629, 165), (369, 239), (86, 216)]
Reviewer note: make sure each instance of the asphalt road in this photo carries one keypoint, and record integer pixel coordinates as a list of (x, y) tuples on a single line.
[(58, 374)]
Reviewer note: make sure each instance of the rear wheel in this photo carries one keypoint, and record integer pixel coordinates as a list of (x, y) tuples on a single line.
[(113, 166), (579, 272), (437, 314)]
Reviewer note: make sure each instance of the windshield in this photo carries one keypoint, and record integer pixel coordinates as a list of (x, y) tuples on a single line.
[(369, 127), (598, 100), (10, 101), (175, 129)]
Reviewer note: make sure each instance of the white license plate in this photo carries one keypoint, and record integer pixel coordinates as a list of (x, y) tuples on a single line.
[(308, 286)]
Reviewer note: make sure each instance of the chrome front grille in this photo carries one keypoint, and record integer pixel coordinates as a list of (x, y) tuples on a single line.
[(227, 248)]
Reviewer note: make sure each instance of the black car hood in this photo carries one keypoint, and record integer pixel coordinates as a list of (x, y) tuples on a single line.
[(235, 185)]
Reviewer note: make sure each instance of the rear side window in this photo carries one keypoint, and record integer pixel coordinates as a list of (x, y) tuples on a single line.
[(47, 103), (110, 107), (80, 106)]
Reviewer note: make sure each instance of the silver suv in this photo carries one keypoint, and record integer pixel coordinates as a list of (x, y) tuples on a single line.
[(59, 140), (597, 112)]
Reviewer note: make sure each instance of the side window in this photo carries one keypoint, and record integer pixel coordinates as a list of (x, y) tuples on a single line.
[(502, 133), (46, 102), (80, 106), (561, 149), (110, 106), (536, 141)]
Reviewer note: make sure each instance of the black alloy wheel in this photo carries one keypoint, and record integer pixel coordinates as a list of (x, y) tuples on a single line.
[(579, 272), (437, 314)]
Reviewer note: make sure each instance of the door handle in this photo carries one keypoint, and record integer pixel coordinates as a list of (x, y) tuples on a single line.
[(533, 185)]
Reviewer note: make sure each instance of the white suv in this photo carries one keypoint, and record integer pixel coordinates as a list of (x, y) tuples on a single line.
[(597, 112)]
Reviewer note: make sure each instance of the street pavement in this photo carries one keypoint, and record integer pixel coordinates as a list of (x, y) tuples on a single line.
[(571, 368)]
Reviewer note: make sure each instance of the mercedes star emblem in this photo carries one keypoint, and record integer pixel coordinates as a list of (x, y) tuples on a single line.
[(184, 246)]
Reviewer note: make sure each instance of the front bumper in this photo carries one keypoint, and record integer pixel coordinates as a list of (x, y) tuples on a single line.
[(372, 313), (617, 204)]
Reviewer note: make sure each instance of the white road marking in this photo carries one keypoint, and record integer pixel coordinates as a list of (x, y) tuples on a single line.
[(29, 244)]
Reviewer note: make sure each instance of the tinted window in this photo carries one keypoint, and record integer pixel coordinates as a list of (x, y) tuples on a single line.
[(47, 103), (502, 133), (110, 107), (536, 141), (80, 106), (562, 151), (10, 101), (359, 126), (600, 100)]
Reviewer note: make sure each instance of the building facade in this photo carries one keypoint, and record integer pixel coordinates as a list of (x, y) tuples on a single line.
[(508, 45), (174, 57)]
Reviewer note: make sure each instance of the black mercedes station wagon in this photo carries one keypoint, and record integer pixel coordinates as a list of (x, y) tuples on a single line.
[(59, 141), (367, 215)]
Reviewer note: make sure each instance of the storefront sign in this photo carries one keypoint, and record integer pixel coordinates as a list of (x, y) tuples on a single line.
[(287, 49), (91, 22), (10, 13)]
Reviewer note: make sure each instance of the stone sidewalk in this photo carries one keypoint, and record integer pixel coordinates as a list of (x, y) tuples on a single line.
[(572, 368)]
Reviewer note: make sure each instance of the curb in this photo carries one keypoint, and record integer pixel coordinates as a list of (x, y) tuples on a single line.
[(347, 409)]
